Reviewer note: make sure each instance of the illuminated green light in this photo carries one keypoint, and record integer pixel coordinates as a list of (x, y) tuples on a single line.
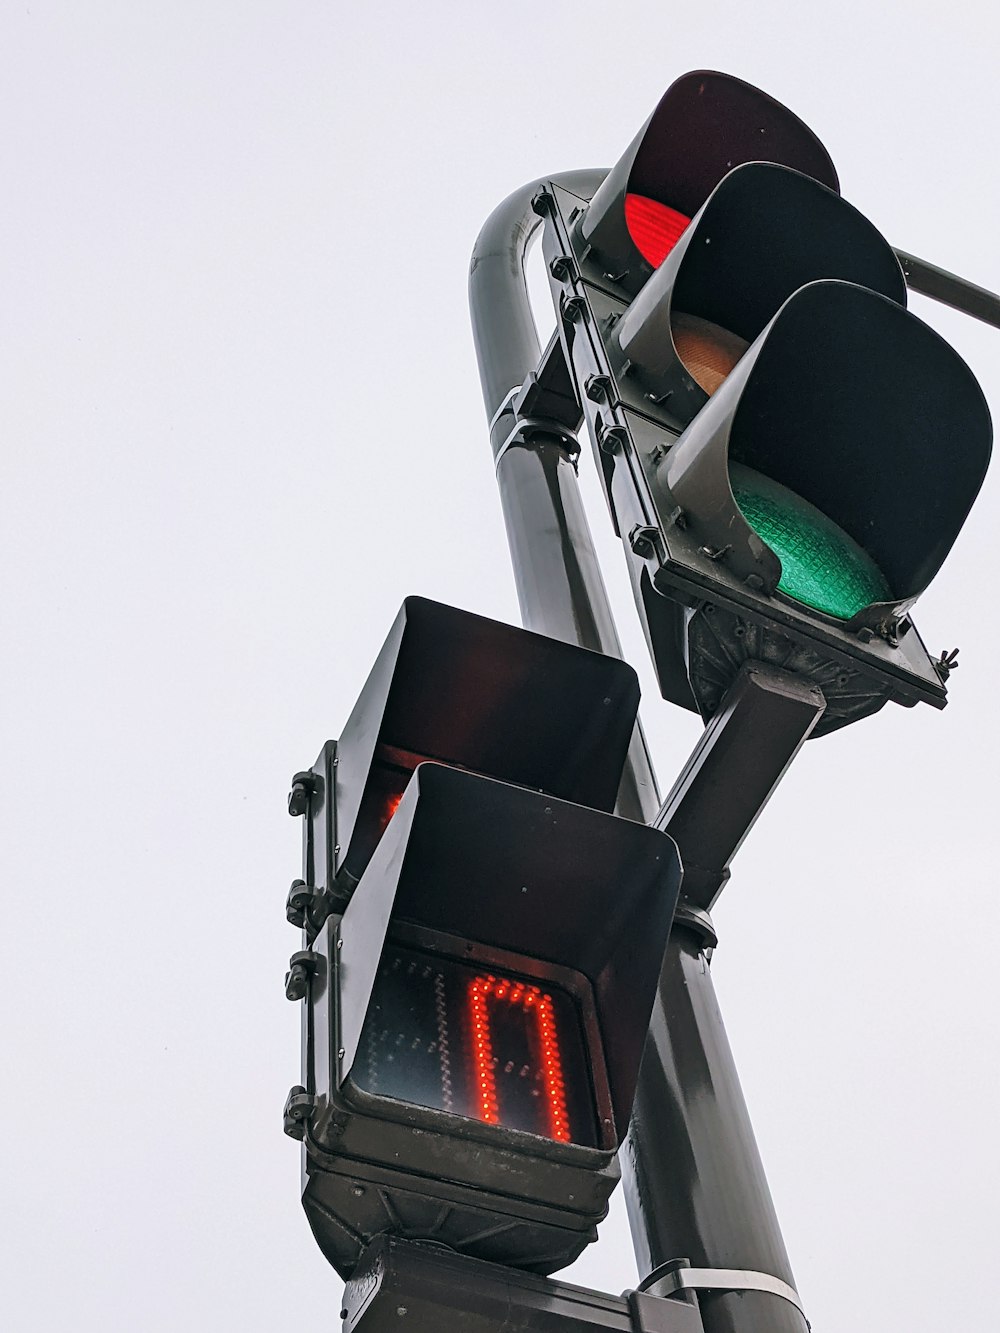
[(821, 566)]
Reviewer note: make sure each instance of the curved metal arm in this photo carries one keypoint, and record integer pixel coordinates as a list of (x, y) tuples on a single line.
[(560, 589), (503, 329)]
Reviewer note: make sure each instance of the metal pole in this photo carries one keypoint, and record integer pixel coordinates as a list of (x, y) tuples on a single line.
[(560, 589), (950, 289), (693, 1178)]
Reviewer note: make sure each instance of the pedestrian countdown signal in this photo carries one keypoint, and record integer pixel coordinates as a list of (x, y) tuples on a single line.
[(476, 1004)]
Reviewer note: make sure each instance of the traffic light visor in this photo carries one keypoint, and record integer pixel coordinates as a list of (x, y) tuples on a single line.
[(705, 124), (458, 688), (851, 441), (764, 232), (509, 942)]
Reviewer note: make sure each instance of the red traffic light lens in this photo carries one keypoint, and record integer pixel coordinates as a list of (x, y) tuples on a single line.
[(655, 229)]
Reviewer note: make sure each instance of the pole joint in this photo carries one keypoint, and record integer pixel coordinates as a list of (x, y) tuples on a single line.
[(678, 1276)]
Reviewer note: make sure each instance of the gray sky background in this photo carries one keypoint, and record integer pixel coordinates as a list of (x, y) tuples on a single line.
[(242, 421)]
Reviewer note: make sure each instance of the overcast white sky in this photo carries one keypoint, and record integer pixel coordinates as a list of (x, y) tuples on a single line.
[(243, 420)]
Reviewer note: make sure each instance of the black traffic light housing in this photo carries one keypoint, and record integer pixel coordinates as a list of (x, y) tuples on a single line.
[(483, 943), (704, 125), (773, 337), (483, 899), (460, 689), (399, 1283)]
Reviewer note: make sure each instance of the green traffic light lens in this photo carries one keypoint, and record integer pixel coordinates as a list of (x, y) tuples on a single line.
[(821, 566)]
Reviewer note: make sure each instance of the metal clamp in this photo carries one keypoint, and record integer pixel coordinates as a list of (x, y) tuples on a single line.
[(303, 786), (527, 431), (307, 906), (678, 1275), (301, 966), (298, 1108), (505, 406)]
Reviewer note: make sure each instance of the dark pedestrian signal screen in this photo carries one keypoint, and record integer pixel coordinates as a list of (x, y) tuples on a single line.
[(473, 1041)]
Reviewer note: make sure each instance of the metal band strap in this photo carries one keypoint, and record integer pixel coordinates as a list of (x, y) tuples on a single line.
[(549, 430), (724, 1279), (505, 406)]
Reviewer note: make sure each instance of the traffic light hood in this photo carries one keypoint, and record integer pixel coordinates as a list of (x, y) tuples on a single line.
[(455, 687), (859, 409), (765, 231), (705, 124), (525, 875)]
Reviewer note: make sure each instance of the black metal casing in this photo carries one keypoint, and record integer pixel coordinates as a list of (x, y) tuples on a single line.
[(509, 879), (704, 125), (464, 690), (841, 396), (694, 1182), (403, 1285)]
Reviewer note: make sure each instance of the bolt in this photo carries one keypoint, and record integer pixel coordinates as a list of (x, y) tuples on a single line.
[(947, 663), (303, 784), (296, 982), (611, 439), (597, 388), (295, 905), (715, 552), (643, 541)]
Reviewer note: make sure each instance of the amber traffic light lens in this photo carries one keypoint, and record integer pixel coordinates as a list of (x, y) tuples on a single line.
[(707, 352)]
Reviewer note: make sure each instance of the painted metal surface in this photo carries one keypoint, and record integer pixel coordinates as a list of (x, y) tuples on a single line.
[(694, 1182)]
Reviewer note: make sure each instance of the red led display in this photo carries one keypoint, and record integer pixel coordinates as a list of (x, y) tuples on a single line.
[(540, 1019), (490, 1046), (655, 229)]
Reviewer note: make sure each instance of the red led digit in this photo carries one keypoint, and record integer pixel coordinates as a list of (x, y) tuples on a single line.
[(482, 1047), (539, 1005), (552, 1069)]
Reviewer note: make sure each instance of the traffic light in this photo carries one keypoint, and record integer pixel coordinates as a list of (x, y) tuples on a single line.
[(476, 1006), (787, 453), (468, 691)]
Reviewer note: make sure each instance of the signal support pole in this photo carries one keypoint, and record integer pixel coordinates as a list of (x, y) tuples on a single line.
[(693, 1178)]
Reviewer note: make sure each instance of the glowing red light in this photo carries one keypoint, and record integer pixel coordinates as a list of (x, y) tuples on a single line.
[(540, 1005), (478, 991), (654, 227), (390, 807)]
